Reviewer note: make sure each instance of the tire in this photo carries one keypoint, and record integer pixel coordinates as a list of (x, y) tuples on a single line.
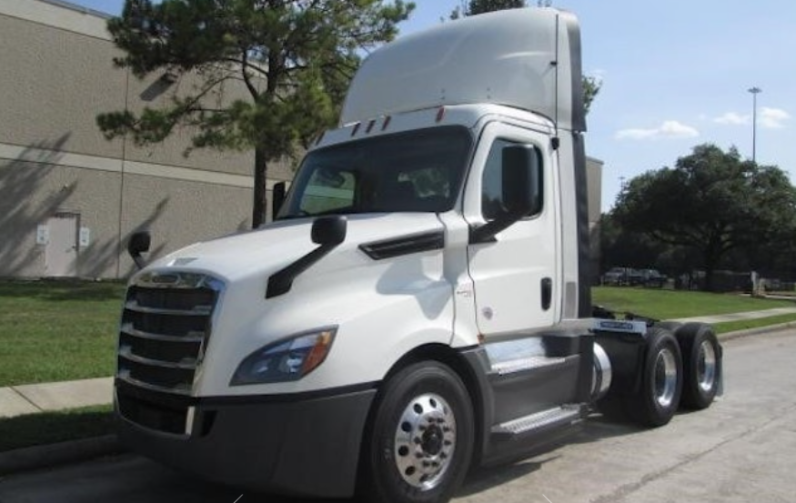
[(661, 381), (419, 444), (701, 365)]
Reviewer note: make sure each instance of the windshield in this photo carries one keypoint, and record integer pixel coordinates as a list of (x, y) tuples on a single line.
[(418, 171)]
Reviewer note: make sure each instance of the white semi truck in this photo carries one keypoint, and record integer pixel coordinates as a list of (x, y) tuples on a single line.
[(420, 305)]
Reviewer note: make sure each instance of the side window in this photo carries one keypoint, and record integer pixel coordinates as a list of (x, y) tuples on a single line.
[(492, 181)]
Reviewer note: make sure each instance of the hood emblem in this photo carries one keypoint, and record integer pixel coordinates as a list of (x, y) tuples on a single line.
[(182, 261)]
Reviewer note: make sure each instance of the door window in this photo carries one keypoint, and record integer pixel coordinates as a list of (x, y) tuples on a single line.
[(492, 181)]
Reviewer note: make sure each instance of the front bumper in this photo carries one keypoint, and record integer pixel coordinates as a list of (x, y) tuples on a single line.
[(304, 445)]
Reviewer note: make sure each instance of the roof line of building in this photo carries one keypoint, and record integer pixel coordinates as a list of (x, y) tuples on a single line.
[(78, 8), (59, 14)]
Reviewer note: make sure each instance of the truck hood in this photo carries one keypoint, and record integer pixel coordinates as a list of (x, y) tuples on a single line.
[(274, 246)]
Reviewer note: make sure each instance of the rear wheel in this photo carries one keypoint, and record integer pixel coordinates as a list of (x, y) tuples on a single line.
[(419, 444), (661, 381), (701, 361)]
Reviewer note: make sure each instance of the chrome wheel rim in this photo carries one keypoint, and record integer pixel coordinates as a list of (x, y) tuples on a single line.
[(706, 366), (425, 440), (665, 377)]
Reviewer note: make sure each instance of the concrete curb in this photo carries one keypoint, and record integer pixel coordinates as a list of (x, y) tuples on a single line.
[(45, 456)]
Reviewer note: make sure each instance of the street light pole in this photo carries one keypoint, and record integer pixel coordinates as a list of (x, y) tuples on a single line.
[(755, 91)]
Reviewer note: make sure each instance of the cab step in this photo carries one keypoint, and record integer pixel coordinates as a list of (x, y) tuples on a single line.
[(546, 419)]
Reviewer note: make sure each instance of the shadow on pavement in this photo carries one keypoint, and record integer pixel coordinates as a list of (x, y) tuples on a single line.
[(132, 479)]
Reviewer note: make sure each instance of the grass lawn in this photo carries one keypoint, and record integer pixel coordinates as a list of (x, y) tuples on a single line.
[(57, 331), (669, 304), (52, 427)]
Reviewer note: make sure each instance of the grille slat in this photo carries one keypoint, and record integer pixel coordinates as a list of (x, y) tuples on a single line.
[(127, 329), (165, 327), (126, 352), (194, 311)]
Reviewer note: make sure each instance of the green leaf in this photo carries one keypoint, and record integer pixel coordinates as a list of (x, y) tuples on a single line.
[(293, 60)]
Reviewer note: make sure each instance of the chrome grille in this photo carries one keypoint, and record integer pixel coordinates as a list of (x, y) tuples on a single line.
[(166, 323)]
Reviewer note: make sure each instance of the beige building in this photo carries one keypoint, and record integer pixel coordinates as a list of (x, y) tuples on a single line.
[(69, 199)]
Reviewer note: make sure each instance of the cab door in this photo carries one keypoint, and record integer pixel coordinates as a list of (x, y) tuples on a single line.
[(516, 276)]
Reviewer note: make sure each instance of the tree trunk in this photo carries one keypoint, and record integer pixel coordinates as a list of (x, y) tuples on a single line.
[(709, 278), (711, 259), (260, 198)]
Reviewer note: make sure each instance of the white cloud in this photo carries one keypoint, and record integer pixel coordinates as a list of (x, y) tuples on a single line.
[(733, 119), (669, 129), (772, 118)]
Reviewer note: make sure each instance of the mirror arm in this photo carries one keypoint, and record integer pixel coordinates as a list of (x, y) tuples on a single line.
[(139, 260), (486, 233), (328, 232)]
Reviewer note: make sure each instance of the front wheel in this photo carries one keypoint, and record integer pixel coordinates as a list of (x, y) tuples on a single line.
[(419, 443)]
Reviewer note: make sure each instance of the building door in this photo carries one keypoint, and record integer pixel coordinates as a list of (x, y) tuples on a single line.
[(60, 257)]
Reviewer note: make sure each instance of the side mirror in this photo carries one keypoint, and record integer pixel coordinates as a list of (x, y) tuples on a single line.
[(521, 191), (277, 198), (330, 230), (139, 243), (522, 180)]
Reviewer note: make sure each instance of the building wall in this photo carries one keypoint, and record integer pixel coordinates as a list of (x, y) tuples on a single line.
[(58, 75)]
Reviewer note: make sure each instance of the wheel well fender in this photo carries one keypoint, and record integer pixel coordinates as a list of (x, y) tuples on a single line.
[(470, 365)]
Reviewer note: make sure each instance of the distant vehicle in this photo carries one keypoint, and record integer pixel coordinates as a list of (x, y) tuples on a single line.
[(652, 278), (635, 277), (627, 276), (615, 276), (622, 276)]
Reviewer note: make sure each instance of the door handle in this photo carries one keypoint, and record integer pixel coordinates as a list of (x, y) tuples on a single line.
[(547, 293)]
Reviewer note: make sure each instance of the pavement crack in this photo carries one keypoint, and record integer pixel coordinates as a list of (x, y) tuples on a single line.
[(22, 395), (621, 492)]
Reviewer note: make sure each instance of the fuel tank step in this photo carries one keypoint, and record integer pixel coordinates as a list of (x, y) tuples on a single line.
[(557, 416), (527, 363)]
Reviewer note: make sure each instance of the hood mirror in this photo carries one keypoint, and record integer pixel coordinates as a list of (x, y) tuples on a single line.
[(139, 243), (329, 230)]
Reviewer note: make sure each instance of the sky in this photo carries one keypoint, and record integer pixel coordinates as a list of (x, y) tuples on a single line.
[(675, 74)]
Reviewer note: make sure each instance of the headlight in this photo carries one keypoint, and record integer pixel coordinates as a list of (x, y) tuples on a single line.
[(286, 360)]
